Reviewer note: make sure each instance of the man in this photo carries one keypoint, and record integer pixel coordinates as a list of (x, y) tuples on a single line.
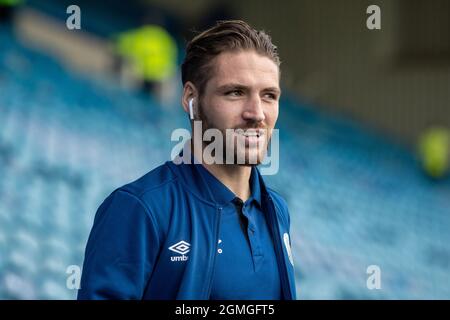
[(203, 229)]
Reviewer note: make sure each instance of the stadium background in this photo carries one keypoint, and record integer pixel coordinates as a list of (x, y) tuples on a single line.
[(76, 121)]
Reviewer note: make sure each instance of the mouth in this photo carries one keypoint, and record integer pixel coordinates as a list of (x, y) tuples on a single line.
[(251, 137), (252, 134)]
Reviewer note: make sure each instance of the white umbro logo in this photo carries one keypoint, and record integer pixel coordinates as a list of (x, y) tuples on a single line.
[(182, 248)]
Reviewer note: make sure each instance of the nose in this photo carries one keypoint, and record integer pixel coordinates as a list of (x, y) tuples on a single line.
[(253, 110)]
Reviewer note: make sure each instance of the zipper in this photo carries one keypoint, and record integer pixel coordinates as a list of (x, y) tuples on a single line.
[(279, 248), (213, 258)]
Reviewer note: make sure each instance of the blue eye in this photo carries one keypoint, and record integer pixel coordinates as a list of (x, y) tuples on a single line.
[(271, 96), (235, 93)]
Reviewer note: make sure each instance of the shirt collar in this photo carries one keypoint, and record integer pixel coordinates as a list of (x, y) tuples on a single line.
[(254, 186), (222, 194)]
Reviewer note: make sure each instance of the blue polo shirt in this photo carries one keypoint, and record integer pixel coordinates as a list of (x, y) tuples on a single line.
[(246, 265)]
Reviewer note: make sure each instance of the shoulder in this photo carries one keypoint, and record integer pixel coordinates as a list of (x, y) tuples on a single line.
[(157, 179), (151, 194)]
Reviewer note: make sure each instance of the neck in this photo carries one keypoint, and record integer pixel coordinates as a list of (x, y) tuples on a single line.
[(234, 177)]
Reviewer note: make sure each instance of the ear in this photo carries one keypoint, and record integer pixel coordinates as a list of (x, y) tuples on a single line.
[(189, 92)]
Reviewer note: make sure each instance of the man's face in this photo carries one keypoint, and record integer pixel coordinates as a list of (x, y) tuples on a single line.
[(243, 93)]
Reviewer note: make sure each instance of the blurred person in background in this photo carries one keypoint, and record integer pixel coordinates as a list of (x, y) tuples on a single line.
[(150, 52)]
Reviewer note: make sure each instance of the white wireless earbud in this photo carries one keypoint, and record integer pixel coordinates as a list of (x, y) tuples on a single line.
[(191, 108)]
